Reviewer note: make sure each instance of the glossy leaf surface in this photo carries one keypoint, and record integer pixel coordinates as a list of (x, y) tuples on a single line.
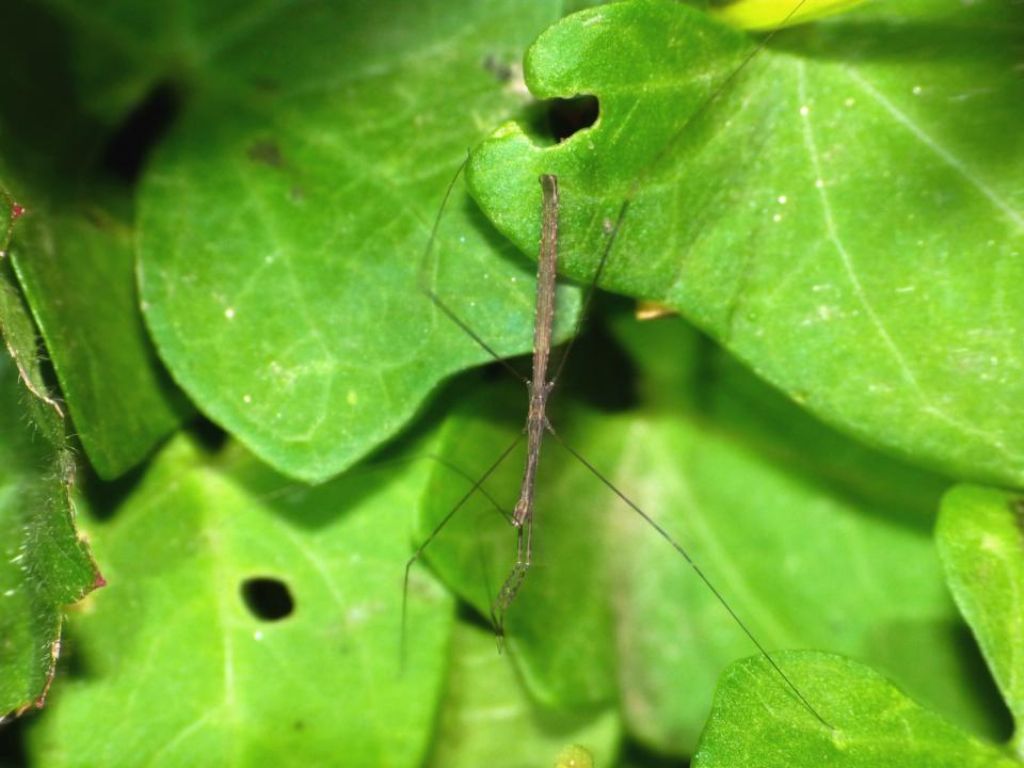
[(844, 211), (196, 638), (874, 724), (44, 565), (73, 247), (283, 222), (814, 541), (981, 541)]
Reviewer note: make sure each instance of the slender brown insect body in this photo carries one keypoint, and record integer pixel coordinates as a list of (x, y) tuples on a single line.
[(540, 388)]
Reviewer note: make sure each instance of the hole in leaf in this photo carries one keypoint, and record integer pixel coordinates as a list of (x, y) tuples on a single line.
[(568, 116), (267, 598), (599, 371), (131, 143)]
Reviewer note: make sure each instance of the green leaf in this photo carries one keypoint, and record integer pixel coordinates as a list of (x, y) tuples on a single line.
[(44, 566), (487, 718), (811, 552), (283, 221), (756, 721), (119, 396), (72, 254), (208, 678), (845, 217), (19, 334), (981, 543)]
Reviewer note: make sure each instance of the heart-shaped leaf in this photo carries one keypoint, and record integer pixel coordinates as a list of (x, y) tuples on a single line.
[(268, 613), (283, 221), (73, 250), (843, 212)]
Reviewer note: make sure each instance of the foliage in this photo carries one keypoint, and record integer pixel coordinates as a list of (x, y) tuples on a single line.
[(222, 217), (870, 722), (44, 564)]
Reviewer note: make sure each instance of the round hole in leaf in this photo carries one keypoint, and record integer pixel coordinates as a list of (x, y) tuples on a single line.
[(267, 598), (567, 116)]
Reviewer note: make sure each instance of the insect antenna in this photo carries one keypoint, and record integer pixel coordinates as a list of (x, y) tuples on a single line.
[(425, 279), (613, 227), (679, 548), (541, 386), (418, 553)]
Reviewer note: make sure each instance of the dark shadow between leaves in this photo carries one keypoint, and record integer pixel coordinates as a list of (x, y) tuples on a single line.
[(598, 372), (105, 497), (12, 741), (211, 436), (126, 151), (636, 755), (45, 127), (73, 664)]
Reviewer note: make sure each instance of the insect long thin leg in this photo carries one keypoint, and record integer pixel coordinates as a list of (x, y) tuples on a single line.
[(703, 577), (591, 289), (651, 168), (469, 478), (516, 577), (433, 535), (376, 466), (428, 291)]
